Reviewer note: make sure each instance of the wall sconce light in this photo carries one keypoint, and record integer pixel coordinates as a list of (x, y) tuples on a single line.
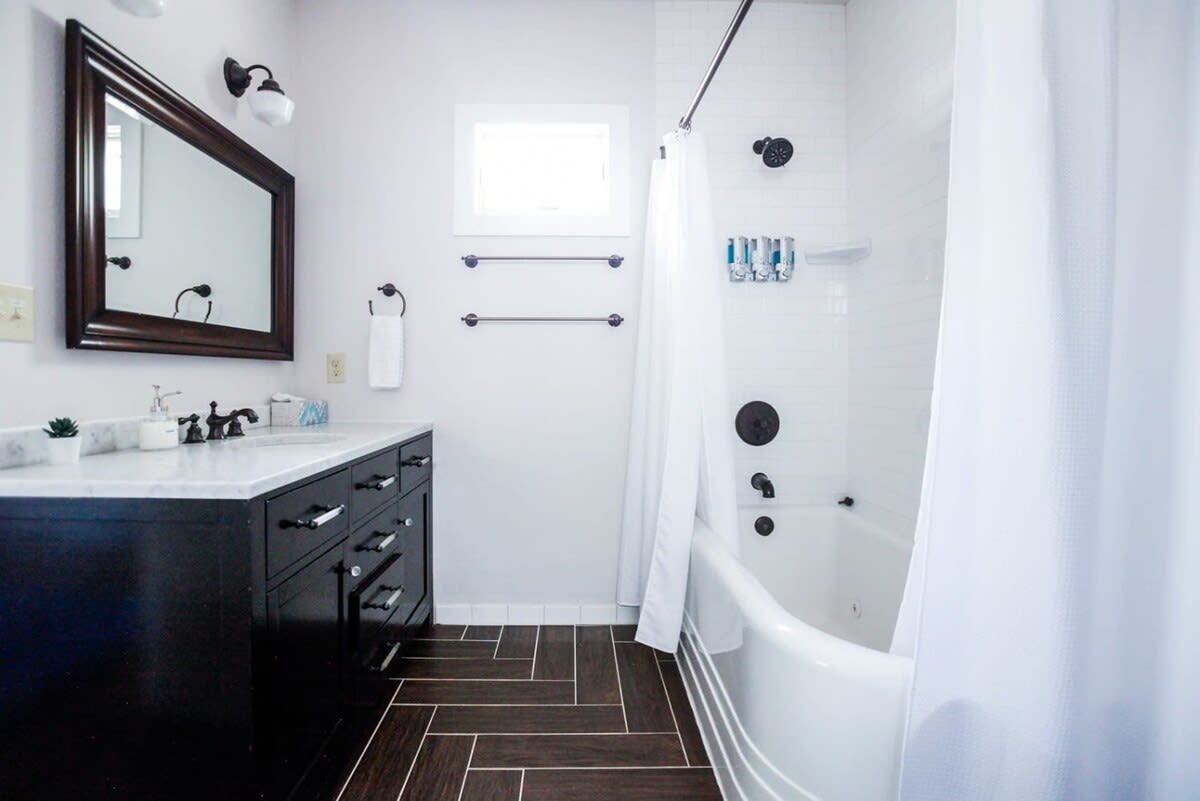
[(269, 103), (142, 8)]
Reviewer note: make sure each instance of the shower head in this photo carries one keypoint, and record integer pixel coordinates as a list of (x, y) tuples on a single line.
[(774, 152)]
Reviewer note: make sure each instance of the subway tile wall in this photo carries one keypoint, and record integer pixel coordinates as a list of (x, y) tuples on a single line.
[(785, 75), (900, 58)]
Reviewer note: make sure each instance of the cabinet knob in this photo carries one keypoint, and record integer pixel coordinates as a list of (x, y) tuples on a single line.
[(408, 521), (354, 570)]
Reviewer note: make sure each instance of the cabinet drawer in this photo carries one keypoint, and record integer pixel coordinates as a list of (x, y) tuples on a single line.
[(374, 481), (376, 599), (379, 538), (300, 520), (416, 462)]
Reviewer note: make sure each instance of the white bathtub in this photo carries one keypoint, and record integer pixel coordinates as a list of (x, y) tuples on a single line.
[(784, 657)]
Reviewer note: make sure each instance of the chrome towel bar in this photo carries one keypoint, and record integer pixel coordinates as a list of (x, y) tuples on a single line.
[(613, 261), (473, 320)]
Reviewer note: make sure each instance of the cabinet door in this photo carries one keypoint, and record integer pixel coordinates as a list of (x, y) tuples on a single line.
[(415, 507), (305, 646)]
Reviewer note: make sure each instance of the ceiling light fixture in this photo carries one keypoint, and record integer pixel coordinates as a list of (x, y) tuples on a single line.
[(269, 103)]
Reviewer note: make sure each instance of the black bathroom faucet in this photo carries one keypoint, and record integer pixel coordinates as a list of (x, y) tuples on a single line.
[(216, 422), (763, 484)]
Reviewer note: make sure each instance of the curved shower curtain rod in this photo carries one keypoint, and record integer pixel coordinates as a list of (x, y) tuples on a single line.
[(685, 122)]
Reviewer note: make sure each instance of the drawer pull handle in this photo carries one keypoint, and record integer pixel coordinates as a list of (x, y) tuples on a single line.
[(330, 513), (386, 542), (391, 599), (417, 461), (387, 660), (381, 484)]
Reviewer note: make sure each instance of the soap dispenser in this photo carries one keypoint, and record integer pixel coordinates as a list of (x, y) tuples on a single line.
[(159, 431)]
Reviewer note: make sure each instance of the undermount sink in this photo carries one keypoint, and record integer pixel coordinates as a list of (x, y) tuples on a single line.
[(278, 440)]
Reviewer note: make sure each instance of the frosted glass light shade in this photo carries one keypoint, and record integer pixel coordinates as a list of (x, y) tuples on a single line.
[(143, 8), (272, 107)]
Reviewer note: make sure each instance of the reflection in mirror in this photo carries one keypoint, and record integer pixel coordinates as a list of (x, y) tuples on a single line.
[(183, 220)]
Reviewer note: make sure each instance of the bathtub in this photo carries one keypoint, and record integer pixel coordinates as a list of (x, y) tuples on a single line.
[(784, 655)]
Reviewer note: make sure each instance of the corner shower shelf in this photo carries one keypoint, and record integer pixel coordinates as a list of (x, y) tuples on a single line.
[(841, 253)]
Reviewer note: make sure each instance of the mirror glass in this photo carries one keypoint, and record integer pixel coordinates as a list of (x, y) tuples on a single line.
[(186, 237)]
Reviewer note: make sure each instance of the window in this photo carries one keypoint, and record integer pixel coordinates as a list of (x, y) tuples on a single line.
[(542, 170)]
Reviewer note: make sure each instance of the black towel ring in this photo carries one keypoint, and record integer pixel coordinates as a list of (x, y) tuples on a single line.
[(389, 290)]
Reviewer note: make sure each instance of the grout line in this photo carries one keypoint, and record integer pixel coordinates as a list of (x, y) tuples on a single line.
[(496, 650), (575, 660), (370, 739), (620, 689), (537, 640), (463, 788), (417, 757), (521, 792), (674, 718)]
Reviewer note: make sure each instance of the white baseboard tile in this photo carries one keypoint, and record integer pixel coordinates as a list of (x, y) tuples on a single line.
[(489, 614), (526, 615), (561, 615), (534, 614), (452, 614), (597, 614)]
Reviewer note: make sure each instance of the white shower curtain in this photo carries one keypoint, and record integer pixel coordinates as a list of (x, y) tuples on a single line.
[(680, 448), (1054, 603)]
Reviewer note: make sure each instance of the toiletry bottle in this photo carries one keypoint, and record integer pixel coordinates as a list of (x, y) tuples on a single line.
[(159, 431)]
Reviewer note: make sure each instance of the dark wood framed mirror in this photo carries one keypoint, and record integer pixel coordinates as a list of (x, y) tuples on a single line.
[(179, 234)]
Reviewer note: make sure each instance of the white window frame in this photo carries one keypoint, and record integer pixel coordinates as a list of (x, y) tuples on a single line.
[(468, 223)]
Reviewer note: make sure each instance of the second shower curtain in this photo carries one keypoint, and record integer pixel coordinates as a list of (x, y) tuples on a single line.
[(680, 448)]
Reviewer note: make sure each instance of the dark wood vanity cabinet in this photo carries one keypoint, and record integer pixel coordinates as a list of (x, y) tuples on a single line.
[(179, 649)]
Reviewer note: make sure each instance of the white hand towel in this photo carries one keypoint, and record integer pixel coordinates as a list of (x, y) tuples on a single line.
[(385, 363)]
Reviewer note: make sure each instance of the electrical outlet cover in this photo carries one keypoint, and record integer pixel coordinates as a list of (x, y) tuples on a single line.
[(16, 313), (335, 368)]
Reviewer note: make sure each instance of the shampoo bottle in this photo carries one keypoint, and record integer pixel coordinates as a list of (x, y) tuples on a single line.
[(159, 431)]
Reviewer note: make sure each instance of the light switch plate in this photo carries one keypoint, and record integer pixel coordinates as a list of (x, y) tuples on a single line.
[(16, 313)]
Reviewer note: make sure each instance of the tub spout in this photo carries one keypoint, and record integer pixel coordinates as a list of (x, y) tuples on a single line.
[(763, 484)]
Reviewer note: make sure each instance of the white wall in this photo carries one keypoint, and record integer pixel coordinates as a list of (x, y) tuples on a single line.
[(900, 58), (185, 48), (785, 75), (531, 420)]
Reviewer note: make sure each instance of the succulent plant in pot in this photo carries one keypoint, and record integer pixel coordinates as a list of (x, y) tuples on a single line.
[(65, 442)]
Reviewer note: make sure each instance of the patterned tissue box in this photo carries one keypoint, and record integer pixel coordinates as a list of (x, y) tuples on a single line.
[(299, 413)]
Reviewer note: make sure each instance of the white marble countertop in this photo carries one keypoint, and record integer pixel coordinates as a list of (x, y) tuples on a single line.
[(231, 469)]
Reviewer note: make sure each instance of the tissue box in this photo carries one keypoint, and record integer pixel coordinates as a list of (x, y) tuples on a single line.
[(299, 413)]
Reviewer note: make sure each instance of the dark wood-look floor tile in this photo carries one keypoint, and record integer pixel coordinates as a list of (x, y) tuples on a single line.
[(624, 633), (528, 720), (482, 633), (517, 642), (689, 732), (464, 669), (492, 785), (665, 656), (450, 649), (646, 706), (578, 751), (437, 631), (669, 784), (595, 666), (555, 657), (440, 769), (385, 763), (486, 692)]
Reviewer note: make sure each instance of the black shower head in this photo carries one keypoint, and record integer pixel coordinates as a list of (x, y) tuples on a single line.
[(774, 152)]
